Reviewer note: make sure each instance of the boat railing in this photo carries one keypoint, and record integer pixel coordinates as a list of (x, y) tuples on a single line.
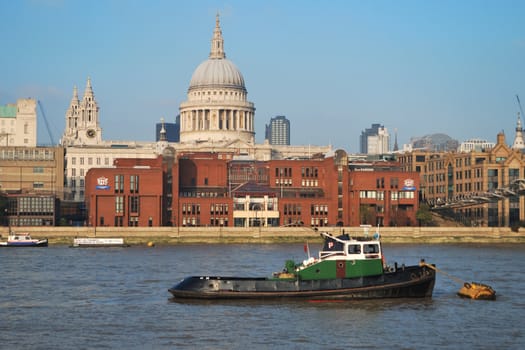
[(325, 254)]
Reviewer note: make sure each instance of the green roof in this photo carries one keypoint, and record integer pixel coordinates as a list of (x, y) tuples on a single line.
[(8, 111)]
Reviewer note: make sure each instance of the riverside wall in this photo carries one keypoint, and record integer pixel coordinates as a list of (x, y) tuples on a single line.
[(178, 235)]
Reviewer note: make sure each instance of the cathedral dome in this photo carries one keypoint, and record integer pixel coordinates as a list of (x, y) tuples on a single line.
[(217, 111), (217, 73)]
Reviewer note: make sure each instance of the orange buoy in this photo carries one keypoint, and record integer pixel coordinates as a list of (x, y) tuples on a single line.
[(474, 290)]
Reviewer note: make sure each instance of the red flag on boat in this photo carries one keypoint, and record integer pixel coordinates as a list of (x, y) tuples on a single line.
[(307, 249)]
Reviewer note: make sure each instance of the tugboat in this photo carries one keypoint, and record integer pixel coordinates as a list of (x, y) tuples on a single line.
[(347, 268), (23, 240)]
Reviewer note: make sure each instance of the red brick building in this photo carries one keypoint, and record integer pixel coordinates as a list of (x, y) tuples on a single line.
[(380, 194), (220, 189), (130, 194)]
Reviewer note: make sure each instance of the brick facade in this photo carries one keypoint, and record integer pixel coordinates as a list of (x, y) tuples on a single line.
[(217, 189)]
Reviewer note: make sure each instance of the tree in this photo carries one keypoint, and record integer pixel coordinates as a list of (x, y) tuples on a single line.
[(423, 215)]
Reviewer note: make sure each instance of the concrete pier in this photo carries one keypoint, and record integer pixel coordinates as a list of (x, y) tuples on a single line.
[(178, 235)]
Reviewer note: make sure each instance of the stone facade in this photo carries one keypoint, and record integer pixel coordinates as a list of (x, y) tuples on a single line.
[(82, 124), (18, 123), (32, 170)]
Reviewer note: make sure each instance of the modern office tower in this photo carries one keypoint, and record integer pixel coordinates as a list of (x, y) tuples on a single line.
[(278, 131), (375, 140)]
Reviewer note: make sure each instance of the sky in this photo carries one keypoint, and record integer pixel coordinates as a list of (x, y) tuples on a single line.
[(332, 68)]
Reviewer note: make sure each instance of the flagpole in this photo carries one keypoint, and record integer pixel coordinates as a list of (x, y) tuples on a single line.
[(307, 249)]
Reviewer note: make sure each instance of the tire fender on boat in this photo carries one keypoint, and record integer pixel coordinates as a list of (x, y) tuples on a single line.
[(467, 285)]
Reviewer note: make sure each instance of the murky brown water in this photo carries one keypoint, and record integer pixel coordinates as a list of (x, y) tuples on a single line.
[(64, 298)]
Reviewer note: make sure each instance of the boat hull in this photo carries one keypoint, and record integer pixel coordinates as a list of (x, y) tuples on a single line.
[(407, 282), (39, 243)]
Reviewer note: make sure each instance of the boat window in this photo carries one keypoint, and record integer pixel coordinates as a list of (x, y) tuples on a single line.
[(354, 249), (371, 248)]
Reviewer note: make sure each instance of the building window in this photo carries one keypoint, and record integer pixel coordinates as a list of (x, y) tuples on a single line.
[(81, 160), (74, 160), (133, 221), (394, 182), (38, 185), (406, 194), (134, 204), (134, 184), (367, 194), (101, 221), (119, 221), (119, 204), (119, 183), (38, 170), (191, 214)]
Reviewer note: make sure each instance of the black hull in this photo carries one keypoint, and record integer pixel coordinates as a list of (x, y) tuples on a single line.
[(408, 282)]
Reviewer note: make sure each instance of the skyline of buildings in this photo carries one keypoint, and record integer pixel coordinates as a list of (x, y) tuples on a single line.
[(217, 124)]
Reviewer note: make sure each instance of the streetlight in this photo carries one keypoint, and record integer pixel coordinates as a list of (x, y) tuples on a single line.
[(8, 221), (257, 221)]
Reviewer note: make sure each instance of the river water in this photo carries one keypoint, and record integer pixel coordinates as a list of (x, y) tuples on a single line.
[(113, 298)]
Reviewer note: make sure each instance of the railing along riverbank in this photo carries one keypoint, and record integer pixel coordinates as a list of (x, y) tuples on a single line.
[(177, 235)]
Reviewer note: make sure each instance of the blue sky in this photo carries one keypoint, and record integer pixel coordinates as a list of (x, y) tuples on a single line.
[(332, 68)]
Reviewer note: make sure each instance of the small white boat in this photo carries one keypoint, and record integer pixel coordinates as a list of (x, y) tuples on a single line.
[(98, 242), (23, 240)]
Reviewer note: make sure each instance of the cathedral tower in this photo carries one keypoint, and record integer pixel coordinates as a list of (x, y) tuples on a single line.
[(82, 124)]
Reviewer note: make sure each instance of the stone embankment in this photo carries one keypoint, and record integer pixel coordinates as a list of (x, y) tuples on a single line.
[(178, 235)]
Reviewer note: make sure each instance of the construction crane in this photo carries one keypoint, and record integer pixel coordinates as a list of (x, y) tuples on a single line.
[(52, 139), (519, 104)]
